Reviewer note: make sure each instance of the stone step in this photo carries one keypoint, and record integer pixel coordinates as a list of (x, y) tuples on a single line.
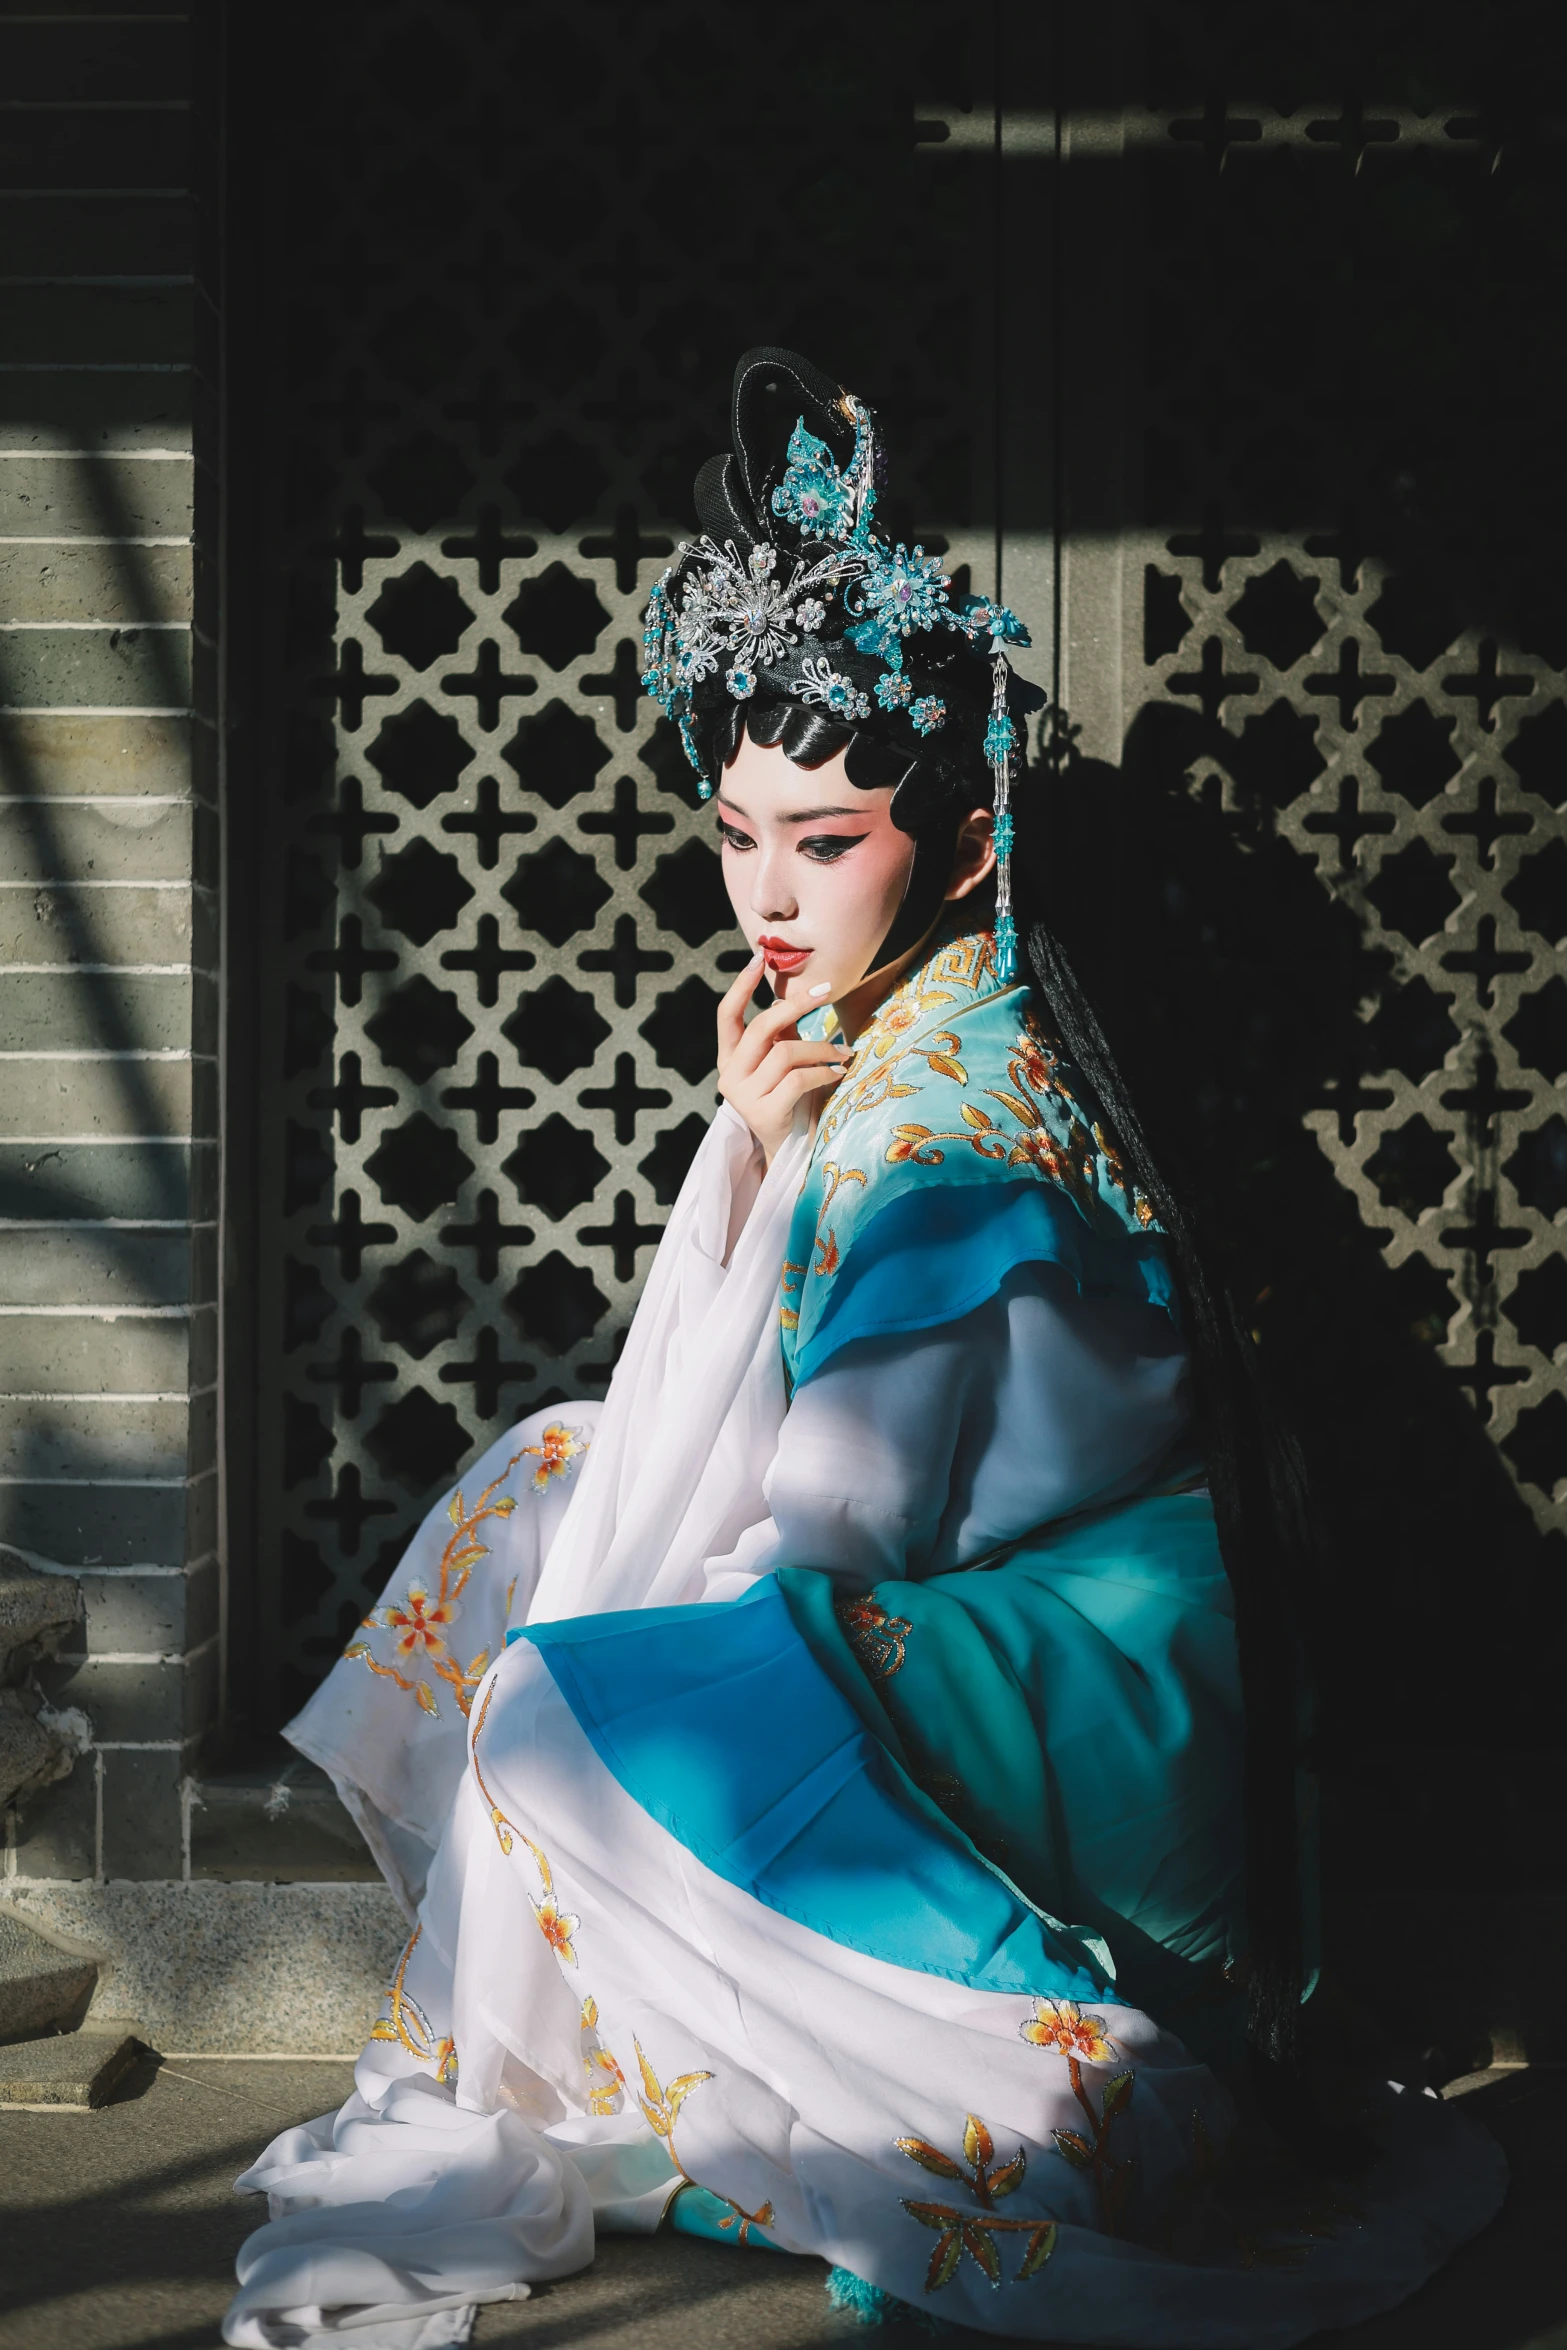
[(42, 1988), (70, 2073)]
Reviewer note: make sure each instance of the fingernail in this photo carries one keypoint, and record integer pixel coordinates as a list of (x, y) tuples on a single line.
[(823, 988)]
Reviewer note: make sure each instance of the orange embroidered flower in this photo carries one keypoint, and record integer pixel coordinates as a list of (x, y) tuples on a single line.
[(418, 1624), (557, 1926), (555, 1453), (1062, 2025)]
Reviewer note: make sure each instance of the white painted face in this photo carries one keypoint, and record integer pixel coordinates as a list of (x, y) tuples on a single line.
[(816, 870)]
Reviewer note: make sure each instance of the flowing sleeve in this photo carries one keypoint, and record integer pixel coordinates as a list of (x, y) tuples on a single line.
[(917, 1453)]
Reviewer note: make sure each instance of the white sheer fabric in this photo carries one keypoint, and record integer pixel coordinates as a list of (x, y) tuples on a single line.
[(392, 2219)]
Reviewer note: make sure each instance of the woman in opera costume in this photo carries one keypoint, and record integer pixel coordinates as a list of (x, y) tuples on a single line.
[(845, 1788)]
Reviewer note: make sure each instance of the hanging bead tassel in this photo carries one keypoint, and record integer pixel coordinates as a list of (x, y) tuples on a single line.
[(1000, 741)]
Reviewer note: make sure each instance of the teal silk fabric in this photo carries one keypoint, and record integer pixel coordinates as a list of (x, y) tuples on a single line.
[(957, 1146), (778, 1770), (943, 1774)]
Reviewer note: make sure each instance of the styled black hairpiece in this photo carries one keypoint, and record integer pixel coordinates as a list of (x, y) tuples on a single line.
[(792, 594)]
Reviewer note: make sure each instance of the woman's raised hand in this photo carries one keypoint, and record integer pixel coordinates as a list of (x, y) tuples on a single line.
[(766, 1068)]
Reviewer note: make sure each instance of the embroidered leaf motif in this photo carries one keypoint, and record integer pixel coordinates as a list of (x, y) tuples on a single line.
[(981, 2245), (931, 2215), (944, 2261), (480, 1665), (426, 1698), (590, 2013), (1076, 2149), (1040, 2246), (978, 2146), (454, 1508), (681, 2088), (1117, 2096), (929, 2158), (649, 2076), (1010, 2175), (973, 1116)]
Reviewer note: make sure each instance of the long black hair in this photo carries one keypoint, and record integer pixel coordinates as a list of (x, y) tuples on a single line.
[(1256, 1476)]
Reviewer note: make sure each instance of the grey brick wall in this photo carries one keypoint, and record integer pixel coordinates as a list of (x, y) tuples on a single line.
[(109, 912)]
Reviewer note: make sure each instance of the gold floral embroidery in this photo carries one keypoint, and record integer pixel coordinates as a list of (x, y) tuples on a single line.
[(421, 1624), (1061, 2025), (959, 2232), (826, 1245), (606, 2081), (504, 1828), (557, 1449), (407, 2024), (793, 1275), (876, 1638), (661, 2108), (555, 1924)]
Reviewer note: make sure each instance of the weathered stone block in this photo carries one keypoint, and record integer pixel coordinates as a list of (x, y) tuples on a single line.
[(276, 1826), (98, 1524), (94, 583), (57, 1828), (89, 1180), (114, 496), (71, 2072), (42, 1011), (62, 923), (127, 840), (60, 751), (99, 1268), (87, 1355), (42, 1989), (46, 409), (41, 1100), (97, 1439), (99, 668), (143, 1832)]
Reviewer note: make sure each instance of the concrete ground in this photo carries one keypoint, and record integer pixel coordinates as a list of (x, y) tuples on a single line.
[(118, 2231)]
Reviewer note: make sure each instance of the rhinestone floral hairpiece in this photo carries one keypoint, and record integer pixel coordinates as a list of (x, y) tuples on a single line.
[(745, 613)]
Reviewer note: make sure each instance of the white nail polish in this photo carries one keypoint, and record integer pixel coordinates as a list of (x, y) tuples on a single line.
[(824, 988)]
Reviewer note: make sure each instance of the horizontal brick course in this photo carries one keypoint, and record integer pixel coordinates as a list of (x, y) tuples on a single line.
[(79, 236), (113, 1268), (57, 1833), (44, 409), (61, 753), (119, 840), (56, 59), (100, 1524), (124, 1702), (131, 1011), (95, 497), (94, 1439), (90, 1180), (143, 1832), (80, 1354), (123, 324), (63, 925), (138, 1614), (95, 668), (143, 147), (83, 582), (41, 1099)]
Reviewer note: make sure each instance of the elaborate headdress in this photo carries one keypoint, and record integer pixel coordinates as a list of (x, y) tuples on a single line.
[(792, 592)]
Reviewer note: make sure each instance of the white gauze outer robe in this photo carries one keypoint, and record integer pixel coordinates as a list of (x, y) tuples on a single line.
[(559, 1929)]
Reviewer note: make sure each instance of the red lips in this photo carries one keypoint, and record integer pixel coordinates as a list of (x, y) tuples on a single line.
[(780, 956)]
